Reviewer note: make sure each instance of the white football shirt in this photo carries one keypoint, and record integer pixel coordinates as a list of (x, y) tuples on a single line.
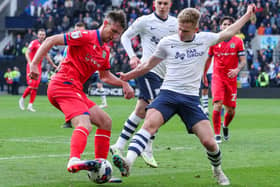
[(151, 29), (185, 61)]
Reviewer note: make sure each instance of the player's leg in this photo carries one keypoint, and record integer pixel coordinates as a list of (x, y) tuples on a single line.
[(153, 121), (103, 132), (218, 92), (74, 109), (230, 104), (203, 131), (33, 93), (216, 119), (204, 100), (25, 93), (130, 127)]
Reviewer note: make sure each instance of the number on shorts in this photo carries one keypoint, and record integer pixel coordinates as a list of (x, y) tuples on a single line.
[(233, 97)]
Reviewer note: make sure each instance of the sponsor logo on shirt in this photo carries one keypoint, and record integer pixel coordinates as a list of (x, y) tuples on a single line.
[(76, 34), (104, 54), (155, 40), (152, 28), (190, 53)]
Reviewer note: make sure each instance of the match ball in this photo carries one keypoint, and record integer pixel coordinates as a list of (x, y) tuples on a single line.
[(104, 174)]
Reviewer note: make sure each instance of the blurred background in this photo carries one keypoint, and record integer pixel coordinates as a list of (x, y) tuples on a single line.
[(20, 20)]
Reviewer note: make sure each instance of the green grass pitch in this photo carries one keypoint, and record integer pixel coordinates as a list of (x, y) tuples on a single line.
[(34, 148)]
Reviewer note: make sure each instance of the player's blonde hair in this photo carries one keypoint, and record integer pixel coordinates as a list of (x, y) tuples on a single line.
[(189, 15)]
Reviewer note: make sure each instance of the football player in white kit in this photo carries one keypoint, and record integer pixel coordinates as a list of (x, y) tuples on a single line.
[(185, 54), (151, 29)]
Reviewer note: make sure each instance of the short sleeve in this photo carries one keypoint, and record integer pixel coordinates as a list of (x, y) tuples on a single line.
[(211, 38), (241, 48), (210, 51), (77, 38)]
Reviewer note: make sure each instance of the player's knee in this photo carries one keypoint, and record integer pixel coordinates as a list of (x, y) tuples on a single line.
[(209, 143), (106, 124), (218, 106), (231, 111)]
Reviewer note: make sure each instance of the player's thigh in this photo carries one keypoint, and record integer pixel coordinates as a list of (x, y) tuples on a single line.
[(217, 89), (230, 95), (70, 101), (100, 118), (164, 108), (190, 111), (153, 120), (203, 131)]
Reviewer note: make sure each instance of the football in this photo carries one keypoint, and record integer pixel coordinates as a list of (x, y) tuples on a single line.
[(104, 174)]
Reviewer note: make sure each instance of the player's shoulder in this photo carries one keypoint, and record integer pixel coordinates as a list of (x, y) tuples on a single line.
[(145, 18), (170, 39)]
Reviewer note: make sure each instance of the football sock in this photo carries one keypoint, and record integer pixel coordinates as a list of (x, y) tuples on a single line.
[(228, 118), (129, 128), (102, 143), (137, 145), (216, 118), (33, 94), (215, 157), (78, 141), (204, 99), (26, 92)]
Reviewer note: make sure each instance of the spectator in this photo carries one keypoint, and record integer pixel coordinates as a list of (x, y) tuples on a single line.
[(253, 73), (50, 25), (16, 80), (68, 4), (90, 6), (261, 29), (24, 49), (268, 29), (252, 30), (263, 79), (18, 45), (9, 49), (9, 80)]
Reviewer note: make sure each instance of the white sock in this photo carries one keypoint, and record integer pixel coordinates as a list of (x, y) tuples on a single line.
[(204, 99), (135, 147), (128, 130)]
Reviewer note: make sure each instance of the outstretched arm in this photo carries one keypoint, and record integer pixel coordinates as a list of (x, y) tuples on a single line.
[(109, 78), (234, 28), (142, 69)]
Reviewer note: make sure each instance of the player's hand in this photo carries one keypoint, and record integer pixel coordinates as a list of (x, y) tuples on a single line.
[(233, 72), (128, 91), (34, 71), (205, 80), (134, 61), (123, 76), (251, 9)]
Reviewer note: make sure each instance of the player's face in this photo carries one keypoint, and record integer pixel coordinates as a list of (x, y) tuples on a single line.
[(111, 32), (186, 31), (226, 23), (41, 36), (162, 7)]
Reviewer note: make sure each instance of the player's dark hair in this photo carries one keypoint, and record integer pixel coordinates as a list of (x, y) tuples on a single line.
[(117, 16), (41, 30), (80, 24), (231, 19)]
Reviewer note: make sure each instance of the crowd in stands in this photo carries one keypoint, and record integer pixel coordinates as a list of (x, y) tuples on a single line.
[(58, 16)]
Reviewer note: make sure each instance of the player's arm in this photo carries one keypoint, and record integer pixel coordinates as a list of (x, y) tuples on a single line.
[(242, 63), (27, 56), (49, 59), (235, 27), (109, 78), (206, 67), (42, 51), (141, 69), (131, 32)]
